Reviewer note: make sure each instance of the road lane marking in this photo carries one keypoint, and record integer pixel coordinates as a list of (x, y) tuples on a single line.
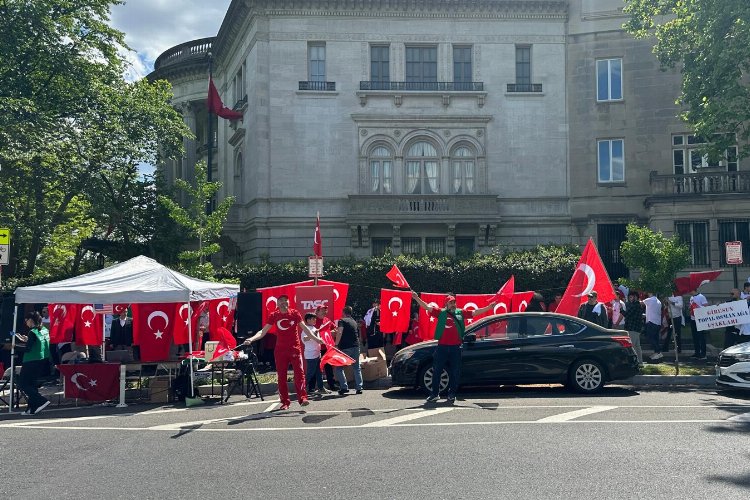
[(570, 415), (271, 407), (33, 423), (405, 418)]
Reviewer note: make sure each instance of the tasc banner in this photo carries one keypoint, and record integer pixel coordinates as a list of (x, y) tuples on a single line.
[(309, 298), (722, 315)]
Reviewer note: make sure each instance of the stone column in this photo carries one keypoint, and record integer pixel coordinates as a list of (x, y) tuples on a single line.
[(188, 161)]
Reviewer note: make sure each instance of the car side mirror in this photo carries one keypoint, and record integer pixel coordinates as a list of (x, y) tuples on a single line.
[(470, 337)]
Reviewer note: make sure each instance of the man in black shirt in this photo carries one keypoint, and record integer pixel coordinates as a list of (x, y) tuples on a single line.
[(633, 313), (347, 341), (593, 311)]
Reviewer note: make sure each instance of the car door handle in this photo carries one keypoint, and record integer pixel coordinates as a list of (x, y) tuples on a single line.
[(567, 346), (513, 349)]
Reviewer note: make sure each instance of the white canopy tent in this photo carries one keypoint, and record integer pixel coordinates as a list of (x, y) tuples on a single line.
[(140, 280)]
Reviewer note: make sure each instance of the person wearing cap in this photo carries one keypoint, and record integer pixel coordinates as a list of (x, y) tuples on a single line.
[(593, 310), (449, 333)]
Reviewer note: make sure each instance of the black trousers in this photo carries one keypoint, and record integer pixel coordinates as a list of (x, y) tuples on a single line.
[(28, 381)]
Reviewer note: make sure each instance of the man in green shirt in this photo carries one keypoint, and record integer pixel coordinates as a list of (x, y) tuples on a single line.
[(34, 362)]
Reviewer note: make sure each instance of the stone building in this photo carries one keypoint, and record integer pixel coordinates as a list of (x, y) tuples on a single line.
[(447, 127)]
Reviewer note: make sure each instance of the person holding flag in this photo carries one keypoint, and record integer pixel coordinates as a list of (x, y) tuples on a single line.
[(312, 342), (449, 333), (325, 329), (288, 350), (347, 341)]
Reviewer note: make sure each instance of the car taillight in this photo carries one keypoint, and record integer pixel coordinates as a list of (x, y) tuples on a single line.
[(624, 341)]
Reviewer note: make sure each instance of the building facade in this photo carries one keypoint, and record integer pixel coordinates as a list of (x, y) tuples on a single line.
[(447, 127)]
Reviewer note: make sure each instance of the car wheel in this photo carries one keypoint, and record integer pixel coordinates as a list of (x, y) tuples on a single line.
[(586, 376), (426, 379)]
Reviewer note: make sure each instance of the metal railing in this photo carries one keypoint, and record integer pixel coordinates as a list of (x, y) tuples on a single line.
[(195, 49), (705, 183), (423, 86), (310, 85), (524, 87)]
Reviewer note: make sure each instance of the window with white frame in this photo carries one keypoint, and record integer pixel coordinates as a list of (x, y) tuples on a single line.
[(687, 157), (422, 169), (463, 170), (609, 79), (695, 236), (381, 170), (316, 62), (611, 160)]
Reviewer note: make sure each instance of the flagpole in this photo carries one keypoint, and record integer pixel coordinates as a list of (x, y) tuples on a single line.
[(210, 138)]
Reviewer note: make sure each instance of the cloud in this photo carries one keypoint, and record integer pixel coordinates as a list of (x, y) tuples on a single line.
[(153, 26)]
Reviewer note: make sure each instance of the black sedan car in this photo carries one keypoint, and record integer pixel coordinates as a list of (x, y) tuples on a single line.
[(527, 348)]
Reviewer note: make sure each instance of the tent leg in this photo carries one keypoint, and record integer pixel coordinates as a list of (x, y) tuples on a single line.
[(13, 360), (190, 358), (122, 387)]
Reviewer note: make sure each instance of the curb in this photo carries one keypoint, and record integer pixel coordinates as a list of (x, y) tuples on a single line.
[(670, 380)]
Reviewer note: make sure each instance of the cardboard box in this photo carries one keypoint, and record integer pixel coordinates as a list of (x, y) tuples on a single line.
[(211, 347), (374, 369), (376, 353), (159, 389)]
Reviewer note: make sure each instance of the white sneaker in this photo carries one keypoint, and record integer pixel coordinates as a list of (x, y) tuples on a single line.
[(657, 355)]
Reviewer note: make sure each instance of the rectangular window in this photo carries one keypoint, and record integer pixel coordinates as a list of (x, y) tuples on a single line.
[(380, 71), (687, 157), (317, 62), (523, 69), (411, 246), (462, 67), (380, 246), (464, 247), (734, 230), (609, 80), (611, 160), (695, 235), (435, 246), (421, 64), (239, 85)]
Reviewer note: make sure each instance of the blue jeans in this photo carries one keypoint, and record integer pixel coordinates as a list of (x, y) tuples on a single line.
[(652, 334), (352, 352), (313, 375), (450, 354)]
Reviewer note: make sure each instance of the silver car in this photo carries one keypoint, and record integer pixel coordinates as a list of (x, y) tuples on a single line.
[(733, 367)]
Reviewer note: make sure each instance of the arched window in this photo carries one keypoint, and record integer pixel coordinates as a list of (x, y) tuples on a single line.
[(463, 171), (381, 170), (422, 169)]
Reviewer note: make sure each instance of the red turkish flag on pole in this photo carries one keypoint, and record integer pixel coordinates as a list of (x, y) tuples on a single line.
[(215, 106), (505, 293), (702, 277), (470, 302), (335, 357), (325, 330), (219, 315), (395, 309), (503, 305), (397, 277), (154, 324), (521, 301), (427, 323), (92, 382), (62, 322), (317, 241), (89, 326), (589, 275), (682, 285)]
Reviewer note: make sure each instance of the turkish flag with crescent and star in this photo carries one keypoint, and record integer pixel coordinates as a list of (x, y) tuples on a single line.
[(317, 242), (395, 309), (118, 308), (89, 326), (91, 381), (470, 302), (335, 357), (428, 323), (521, 300), (220, 315), (270, 298), (62, 322), (154, 324), (397, 277), (589, 275), (180, 332), (506, 291)]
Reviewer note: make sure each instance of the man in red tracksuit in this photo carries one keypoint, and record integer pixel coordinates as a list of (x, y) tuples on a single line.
[(288, 350)]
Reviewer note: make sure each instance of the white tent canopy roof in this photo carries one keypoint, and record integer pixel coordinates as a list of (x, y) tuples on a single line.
[(140, 280)]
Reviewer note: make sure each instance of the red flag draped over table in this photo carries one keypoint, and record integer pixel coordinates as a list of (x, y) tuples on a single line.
[(154, 324), (92, 382), (317, 241), (219, 315), (397, 277), (471, 302), (505, 293), (428, 323), (334, 357), (589, 275), (89, 326), (521, 301), (395, 308), (216, 106), (62, 322)]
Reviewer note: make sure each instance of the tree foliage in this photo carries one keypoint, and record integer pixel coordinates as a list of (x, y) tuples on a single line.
[(657, 258), (71, 128), (710, 41), (203, 227)]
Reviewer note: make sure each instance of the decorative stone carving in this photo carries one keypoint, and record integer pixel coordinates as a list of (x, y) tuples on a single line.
[(354, 233), (396, 236), (397, 100), (446, 100), (480, 132), (447, 133), (451, 235), (491, 237), (365, 236), (363, 132), (397, 133)]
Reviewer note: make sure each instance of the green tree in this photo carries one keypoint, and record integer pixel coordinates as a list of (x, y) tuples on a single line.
[(656, 257), (204, 228), (69, 121), (710, 41)]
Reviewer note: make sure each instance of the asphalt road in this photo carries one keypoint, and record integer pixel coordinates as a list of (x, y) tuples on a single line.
[(511, 443)]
